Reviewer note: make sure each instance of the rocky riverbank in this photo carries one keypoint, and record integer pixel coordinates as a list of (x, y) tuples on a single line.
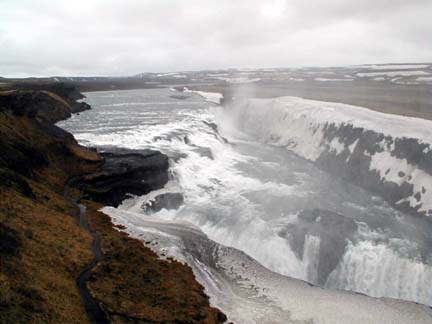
[(44, 250)]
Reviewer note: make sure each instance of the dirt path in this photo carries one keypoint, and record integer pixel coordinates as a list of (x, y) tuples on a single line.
[(95, 313)]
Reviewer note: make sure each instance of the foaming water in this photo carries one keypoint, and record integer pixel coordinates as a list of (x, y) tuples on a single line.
[(265, 201), (377, 270)]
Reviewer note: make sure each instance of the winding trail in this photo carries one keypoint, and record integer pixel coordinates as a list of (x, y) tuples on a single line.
[(94, 311)]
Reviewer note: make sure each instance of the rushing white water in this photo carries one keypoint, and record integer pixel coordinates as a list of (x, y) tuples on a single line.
[(376, 270), (311, 257), (265, 201), (249, 293)]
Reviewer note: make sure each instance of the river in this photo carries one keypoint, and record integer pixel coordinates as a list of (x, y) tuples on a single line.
[(257, 214)]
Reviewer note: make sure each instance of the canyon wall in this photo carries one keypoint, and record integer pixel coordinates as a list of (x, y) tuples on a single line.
[(389, 155)]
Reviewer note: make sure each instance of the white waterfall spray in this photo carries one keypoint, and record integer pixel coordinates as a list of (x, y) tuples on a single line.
[(376, 270), (311, 257)]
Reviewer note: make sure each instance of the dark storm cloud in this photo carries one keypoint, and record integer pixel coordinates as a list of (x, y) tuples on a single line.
[(45, 37)]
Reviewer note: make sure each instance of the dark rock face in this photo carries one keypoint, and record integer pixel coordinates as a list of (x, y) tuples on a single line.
[(180, 97), (126, 173), (355, 166), (169, 200), (31, 114), (42, 105), (333, 230)]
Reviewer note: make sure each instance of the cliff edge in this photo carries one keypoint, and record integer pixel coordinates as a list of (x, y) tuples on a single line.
[(43, 249)]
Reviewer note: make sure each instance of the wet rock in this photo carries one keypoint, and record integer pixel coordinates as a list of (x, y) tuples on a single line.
[(169, 200), (126, 173), (333, 231)]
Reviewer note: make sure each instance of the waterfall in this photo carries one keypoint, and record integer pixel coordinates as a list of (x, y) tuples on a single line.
[(377, 270), (311, 257)]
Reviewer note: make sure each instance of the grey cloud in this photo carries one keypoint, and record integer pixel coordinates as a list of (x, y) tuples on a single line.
[(95, 37)]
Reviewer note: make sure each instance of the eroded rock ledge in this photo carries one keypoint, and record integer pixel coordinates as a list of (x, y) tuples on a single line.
[(126, 173)]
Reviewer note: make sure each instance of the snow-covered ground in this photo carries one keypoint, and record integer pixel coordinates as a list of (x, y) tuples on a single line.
[(393, 66), (406, 74), (272, 115), (392, 73), (213, 97), (238, 80)]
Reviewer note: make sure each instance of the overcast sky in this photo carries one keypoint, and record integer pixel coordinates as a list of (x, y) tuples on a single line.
[(113, 37)]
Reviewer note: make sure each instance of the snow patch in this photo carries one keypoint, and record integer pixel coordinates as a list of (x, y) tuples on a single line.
[(393, 67), (213, 97), (337, 146), (238, 80), (300, 125), (399, 171), (392, 73), (353, 146)]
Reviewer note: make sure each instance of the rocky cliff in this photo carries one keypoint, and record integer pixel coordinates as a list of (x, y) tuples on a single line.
[(124, 173), (389, 155), (44, 249)]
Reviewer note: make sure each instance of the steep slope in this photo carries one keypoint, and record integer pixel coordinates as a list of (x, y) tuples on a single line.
[(43, 249)]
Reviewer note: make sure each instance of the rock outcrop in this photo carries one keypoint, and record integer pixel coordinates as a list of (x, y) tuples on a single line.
[(45, 106), (126, 173), (29, 140)]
